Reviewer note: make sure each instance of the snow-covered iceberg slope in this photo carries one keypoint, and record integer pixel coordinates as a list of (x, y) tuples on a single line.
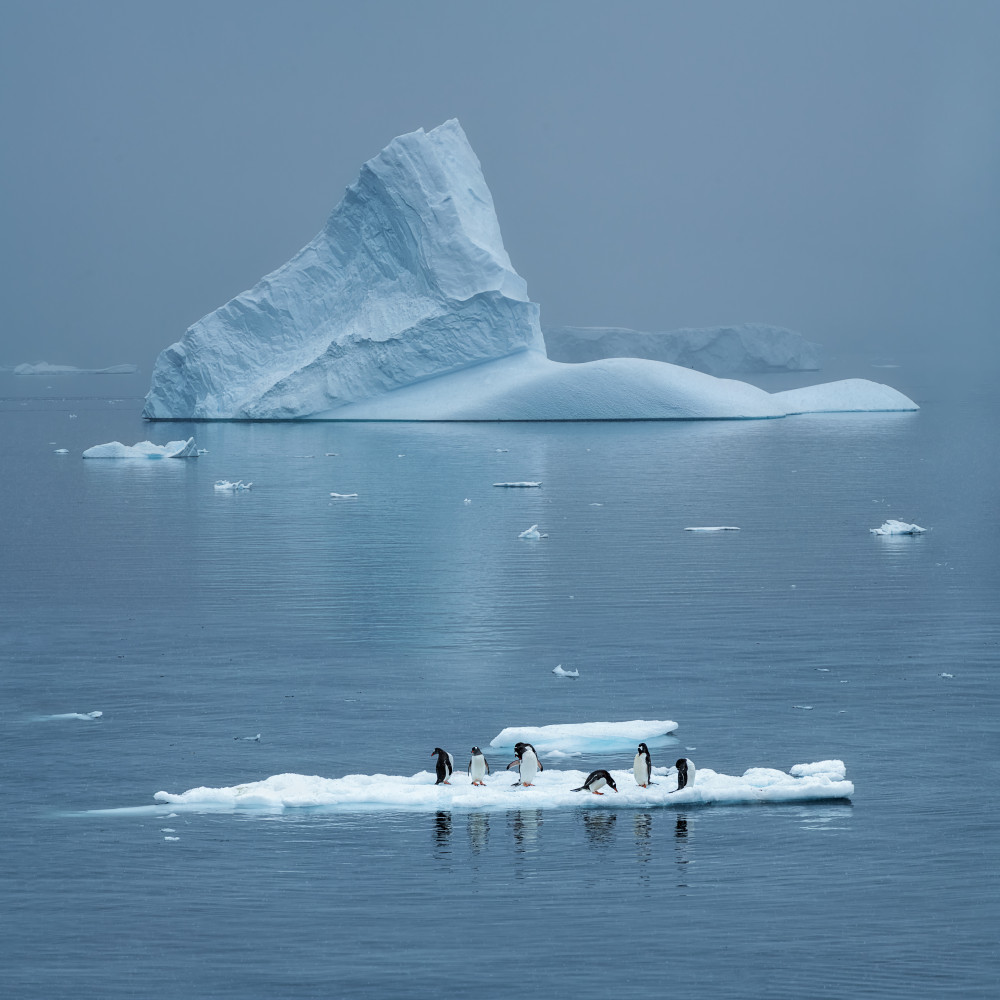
[(552, 790), (406, 307), (716, 350), (585, 737)]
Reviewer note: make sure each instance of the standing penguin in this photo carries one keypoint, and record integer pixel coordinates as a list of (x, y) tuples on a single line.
[(642, 767), (479, 766), (444, 767), (596, 780), (685, 773), (527, 761)]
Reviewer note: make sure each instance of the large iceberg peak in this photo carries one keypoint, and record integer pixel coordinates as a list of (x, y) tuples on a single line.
[(409, 279)]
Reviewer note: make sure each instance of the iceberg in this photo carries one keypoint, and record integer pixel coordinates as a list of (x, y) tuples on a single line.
[(406, 307), (559, 671), (551, 790), (226, 486), (588, 737), (716, 350), (144, 449)]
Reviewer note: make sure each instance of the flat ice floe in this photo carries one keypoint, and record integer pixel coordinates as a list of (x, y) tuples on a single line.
[(892, 527), (824, 780), (84, 716), (144, 449), (586, 737)]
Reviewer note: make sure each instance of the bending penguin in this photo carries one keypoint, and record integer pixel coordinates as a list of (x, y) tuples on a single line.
[(444, 767), (642, 767), (479, 766), (685, 773), (528, 763), (596, 780)]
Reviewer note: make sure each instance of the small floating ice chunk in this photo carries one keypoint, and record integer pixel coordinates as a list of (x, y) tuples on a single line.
[(532, 533), (167, 829), (805, 708), (144, 449), (466, 500), (524, 485), (343, 496), (501, 450), (721, 527), (248, 739), (892, 527), (84, 716), (171, 838), (559, 672), (62, 451), (946, 675), (224, 485)]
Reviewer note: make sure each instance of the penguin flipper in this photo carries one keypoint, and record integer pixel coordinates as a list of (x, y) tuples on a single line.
[(487, 763)]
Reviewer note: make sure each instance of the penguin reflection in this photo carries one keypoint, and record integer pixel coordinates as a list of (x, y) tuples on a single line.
[(479, 831), (682, 846), (525, 825), (599, 825), (642, 830), (442, 831)]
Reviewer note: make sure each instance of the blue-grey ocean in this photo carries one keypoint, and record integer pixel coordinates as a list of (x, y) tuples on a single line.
[(356, 635)]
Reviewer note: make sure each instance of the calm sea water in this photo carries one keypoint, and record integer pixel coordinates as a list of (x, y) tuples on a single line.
[(358, 635)]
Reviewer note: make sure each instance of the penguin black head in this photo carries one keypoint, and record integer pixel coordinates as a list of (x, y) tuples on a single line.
[(681, 763), (610, 781), (436, 751), (643, 748), (476, 750)]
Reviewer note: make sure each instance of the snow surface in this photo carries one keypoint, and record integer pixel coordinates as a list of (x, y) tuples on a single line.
[(551, 789), (898, 528), (144, 449), (406, 307), (584, 736), (716, 350)]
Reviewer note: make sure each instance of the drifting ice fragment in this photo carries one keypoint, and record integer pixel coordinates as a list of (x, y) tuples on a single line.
[(518, 485), (559, 672), (532, 533), (898, 528), (343, 496), (62, 451), (84, 716), (723, 527), (224, 484), (144, 449)]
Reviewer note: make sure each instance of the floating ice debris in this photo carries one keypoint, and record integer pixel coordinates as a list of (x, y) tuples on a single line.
[(85, 716), (248, 739), (72, 416), (805, 708), (171, 838), (144, 449), (898, 528), (822, 670), (62, 451), (559, 672), (722, 527), (502, 450), (343, 496), (532, 533), (551, 789), (303, 456), (596, 505), (332, 454), (518, 485), (585, 736), (202, 451), (223, 485), (167, 829), (466, 500), (946, 675)]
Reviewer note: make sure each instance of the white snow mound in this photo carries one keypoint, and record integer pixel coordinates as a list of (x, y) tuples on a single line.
[(552, 790), (584, 736), (144, 449)]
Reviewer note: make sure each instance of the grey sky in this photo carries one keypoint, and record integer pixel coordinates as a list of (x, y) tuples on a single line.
[(831, 167)]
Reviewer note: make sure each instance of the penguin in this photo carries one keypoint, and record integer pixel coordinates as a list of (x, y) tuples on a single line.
[(444, 767), (479, 766), (642, 767), (685, 773), (528, 763), (596, 780)]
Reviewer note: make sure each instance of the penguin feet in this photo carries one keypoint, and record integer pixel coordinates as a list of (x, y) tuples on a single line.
[(598, 793)]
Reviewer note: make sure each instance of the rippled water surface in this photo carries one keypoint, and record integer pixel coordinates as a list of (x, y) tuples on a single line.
[(356, 635)]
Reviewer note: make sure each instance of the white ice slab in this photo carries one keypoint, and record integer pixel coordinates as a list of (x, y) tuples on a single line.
[(584, 736), (144, 449), (898, 528), (552, 790)]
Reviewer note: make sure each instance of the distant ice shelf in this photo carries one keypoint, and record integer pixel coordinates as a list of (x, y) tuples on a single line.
[(406, 307), (44, 368), (585, 736)]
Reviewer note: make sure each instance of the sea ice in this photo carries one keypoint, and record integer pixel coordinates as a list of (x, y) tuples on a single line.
[(44, 368), (525, 485), (723, 527), (585, 736), (898, 528), (552, 789), (343, 496), (407, 307), (560, 672), (62, 451), (224, 485), (144, 449), (84, 716), (532, 533)]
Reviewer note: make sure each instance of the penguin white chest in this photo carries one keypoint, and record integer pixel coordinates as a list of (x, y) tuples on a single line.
[(598, 783), (477, 767), (529, 767)]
